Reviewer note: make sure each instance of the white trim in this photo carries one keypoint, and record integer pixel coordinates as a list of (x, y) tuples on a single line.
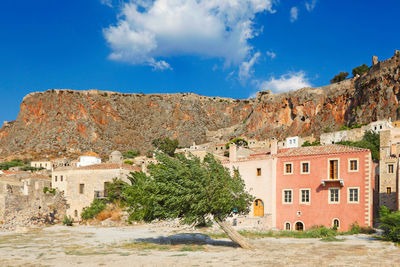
[(283, 196), (334, 224), (301, 167), (329, 195), (284, 226), (309, 196), (328, 166), (348, 195), (304, 226), (284, 168), (349, 165)]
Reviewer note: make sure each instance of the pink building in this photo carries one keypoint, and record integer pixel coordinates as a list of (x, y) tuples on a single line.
[(324, 185), (297, 188)]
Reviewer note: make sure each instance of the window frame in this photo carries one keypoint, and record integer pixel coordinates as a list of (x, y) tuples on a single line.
[(329, 195), (290, 226), (349, 165), (301, 167), (329, 166), (284, 168), (348, 195), (301, 195), (388, 189), (81, 192), (388, 168), (259, 172), (283, 196)]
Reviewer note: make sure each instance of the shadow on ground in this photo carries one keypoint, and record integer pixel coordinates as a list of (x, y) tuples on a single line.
[(186, 239)]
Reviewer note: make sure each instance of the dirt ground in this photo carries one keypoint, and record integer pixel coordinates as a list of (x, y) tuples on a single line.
[(148, 245)]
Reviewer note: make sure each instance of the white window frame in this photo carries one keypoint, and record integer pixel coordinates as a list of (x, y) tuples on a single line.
[(284, 168), (309, 196), (301, 167), (333, 220), (349, 165), (348, 195), (329, 195), (283, 196), (284, 226), (328, 166)]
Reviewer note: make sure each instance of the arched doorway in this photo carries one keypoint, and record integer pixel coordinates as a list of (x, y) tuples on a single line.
[(336, 223), (299, 226), (258, 208)]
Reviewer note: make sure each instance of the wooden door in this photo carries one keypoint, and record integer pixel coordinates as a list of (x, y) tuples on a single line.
[(258, 208)]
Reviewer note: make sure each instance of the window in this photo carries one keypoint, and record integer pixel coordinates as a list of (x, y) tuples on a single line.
[(287, 226), (336, 223), (299, 226), (333, 195), (390, 168), (305, 167), (353, 195), (287, 196), (75, 213), (81, 188), (388, 190), (305, 196), (61, 178), (55, 178), (333, 169), (353, 165), (288, 168), (258, 171)]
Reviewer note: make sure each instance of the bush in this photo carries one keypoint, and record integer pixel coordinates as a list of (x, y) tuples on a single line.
[(97, 206), (67, 220), (390, 224), (339, 77), (307, 143), (50, 190), (130, 162), (327, 129), (130, 154), (369, 141), (360, 70), (237, 141), (10, 164)]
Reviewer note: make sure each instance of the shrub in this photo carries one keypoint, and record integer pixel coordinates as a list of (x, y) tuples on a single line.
[(130, 154), (50, 190), (104, 215), (166, 145), (360, 70), (97, 206), (369, 141), (130, 162), (67, 220), (339, 77), (390, 224), (327, 130), (307, 143), (237, 141)]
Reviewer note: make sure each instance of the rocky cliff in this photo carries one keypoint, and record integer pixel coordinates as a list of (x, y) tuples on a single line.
[(62, 122)]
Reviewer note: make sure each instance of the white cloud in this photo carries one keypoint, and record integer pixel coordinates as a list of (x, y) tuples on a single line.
[(246, 68), (287, 82), (271, 54), (147, 32), (106, 2), (310, 5), (294, 13)]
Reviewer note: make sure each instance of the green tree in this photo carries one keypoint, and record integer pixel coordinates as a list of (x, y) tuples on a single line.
[(166, 145), (307, 143), (339, 77), (237, 141), (192, 190), (369, 141), (130, 154), (390, 224), (360, 70)]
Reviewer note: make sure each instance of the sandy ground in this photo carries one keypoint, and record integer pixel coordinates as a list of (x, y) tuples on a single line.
[(101, 246)]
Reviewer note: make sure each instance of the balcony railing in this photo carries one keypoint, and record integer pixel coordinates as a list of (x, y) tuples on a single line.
[(324, 181), (100, 194)]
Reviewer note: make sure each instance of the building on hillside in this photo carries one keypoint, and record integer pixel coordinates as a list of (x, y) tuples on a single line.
[(356, 134), (61, 162), (296, 188), (291, 142), (324, 185), (83, 184), (116, 157), (389, 168), (46, 164), (89, 158)]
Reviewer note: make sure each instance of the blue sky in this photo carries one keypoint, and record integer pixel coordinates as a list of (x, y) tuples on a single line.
[(227, 48)]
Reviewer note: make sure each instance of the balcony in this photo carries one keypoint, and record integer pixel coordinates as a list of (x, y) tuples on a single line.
[(100, 194), (325, 181)]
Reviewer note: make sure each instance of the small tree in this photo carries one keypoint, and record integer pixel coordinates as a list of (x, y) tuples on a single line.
[(339, 77), (130, 154), (360, 70), (237, 141), (166, 145), (189, 189), (390, 224)]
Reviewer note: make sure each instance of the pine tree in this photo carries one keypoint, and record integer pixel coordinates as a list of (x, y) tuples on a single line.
[(192, 190)]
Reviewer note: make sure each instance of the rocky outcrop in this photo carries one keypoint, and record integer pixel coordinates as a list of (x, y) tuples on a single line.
[(62, 122)]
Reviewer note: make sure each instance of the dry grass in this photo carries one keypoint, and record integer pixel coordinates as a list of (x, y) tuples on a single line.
[(112, 211), (104, 215)]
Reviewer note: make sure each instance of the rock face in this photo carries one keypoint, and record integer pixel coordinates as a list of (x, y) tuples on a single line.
[(65, 122)]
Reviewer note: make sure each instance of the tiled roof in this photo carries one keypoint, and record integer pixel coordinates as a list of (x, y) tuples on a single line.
[(104, 166), (91, 154), (319, 150)]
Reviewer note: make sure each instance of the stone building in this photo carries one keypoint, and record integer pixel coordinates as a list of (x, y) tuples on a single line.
[(46, 164), (389, 168), (116, 157), (83, 184)]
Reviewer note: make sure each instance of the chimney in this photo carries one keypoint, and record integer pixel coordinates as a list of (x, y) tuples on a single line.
[(232, 152), (274, 146)]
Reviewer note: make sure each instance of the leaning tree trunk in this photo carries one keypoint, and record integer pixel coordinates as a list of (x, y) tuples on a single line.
[(234, 235)]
